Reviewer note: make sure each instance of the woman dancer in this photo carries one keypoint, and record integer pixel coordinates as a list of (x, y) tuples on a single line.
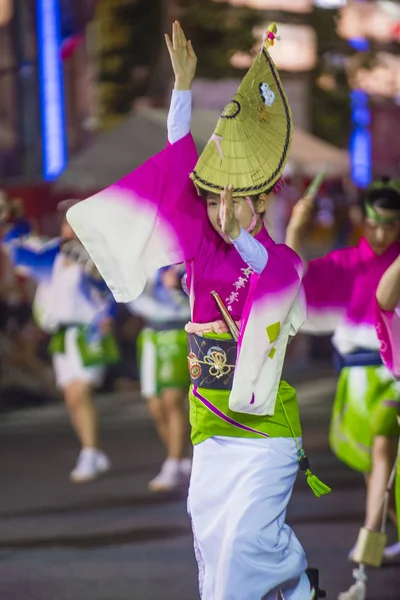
[(340, 292), (74, 305), (245, 421)]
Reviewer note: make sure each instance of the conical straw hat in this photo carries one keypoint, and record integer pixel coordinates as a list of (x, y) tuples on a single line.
[(251, 142)]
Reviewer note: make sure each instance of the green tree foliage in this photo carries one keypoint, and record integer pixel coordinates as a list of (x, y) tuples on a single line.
[(143, 18), (331, 104), (130, 42), (135, 63), (217, 31)]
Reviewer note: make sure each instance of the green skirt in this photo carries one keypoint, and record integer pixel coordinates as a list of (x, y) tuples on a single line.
[(103, 350), (366, 405), (163, 360)]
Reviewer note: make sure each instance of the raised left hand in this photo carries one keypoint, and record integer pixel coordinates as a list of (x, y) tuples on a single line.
[(183, 57), (229, 223)]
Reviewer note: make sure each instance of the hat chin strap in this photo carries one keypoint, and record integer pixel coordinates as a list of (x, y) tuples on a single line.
[(253, 212)]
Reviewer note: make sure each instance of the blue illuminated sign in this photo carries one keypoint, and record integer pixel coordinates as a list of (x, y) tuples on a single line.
[(54, 143), (360, 152), (360, 141), (359, 43)]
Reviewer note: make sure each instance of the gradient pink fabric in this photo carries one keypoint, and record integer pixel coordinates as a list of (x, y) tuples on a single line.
[(154, 217), (388, 330), (340, 291), (347, 280), (161, 190)]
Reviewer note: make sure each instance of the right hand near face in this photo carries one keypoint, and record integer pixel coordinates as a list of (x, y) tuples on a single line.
[(183, 58), (229, 222), (301, 214)]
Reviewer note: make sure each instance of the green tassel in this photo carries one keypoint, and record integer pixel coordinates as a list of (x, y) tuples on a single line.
[(318, 487)]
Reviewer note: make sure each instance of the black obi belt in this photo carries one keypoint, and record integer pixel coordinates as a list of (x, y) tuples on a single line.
[(211, 362)]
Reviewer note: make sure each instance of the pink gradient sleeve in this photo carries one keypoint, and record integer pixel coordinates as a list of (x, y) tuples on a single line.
[(388, 331), (149, 219), (184, 208), (327, 281), (165, 181)]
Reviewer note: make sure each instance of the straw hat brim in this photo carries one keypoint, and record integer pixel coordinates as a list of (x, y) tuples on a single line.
[(251, 142)]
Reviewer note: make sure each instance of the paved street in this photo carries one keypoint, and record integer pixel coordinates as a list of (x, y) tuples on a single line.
[(113, 540)]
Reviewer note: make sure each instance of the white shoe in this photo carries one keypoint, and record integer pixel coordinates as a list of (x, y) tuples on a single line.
[(186, 467), (357, 591), (169, 478), (90, 464)]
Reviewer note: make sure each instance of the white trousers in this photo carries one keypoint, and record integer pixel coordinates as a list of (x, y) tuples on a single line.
[(238, 496)]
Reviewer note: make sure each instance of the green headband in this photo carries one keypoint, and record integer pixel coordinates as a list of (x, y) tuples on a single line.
[(393, 184), (378, 218)]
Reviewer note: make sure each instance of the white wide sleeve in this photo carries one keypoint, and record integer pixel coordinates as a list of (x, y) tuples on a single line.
[(180, 115), (253, 253)]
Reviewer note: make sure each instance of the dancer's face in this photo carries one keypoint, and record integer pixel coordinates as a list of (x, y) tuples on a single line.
[(244, 212), (381, 235)]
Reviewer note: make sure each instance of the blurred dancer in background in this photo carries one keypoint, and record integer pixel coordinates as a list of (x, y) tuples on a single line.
[(164, 374), (74, 305), (340, 292)]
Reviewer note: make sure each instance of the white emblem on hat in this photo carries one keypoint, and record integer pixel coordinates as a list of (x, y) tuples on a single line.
[(267, 94)]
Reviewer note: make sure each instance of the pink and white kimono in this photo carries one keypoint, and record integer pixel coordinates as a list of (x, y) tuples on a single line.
[(154, 217), (388, 330), (340, 292), (241, 482)]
